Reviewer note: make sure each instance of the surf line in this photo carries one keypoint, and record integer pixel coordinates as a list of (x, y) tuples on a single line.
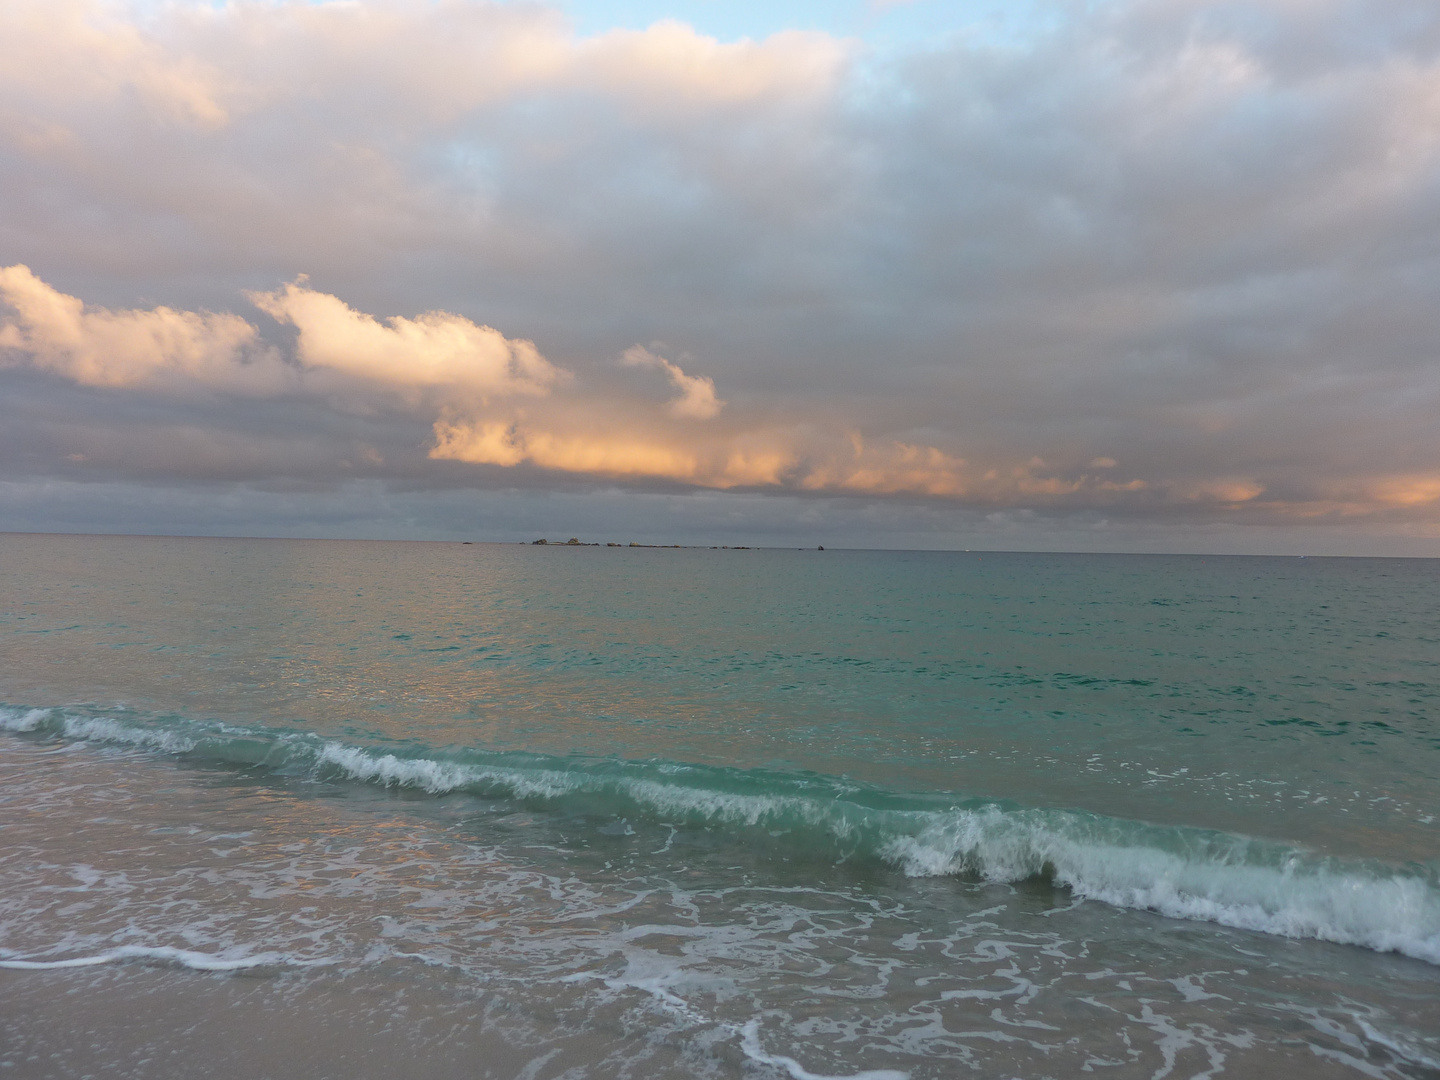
[(196, 961)]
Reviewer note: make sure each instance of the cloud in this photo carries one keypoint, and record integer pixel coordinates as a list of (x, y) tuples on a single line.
[(1164, 259), (598, 443), (670, 65), (161, 347), (166, 349), (436, 349), (70, 53), (497, 402), (608, 454), (697, 400)]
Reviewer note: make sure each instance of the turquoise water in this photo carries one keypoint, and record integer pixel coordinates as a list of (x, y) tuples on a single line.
[(714, 812)]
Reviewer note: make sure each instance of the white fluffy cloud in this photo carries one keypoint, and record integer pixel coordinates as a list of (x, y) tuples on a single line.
[(434, 350), (162, 349)]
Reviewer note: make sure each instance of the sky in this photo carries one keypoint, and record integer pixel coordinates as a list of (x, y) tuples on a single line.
[(1116, 275)]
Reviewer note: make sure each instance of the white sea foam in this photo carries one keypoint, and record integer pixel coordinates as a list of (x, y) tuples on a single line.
[(750, 1044), (733, 808), (438, 777), (196, 961), (103, 729), (95, 729), (21, 719), (1294, 896), (1401, 1048), (1187, 874), (665, 799)]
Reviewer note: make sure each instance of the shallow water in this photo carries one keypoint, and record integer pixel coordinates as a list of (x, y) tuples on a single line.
[(614, 812)]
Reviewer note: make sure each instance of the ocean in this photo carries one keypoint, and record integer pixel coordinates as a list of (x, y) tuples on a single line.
[(280, 808)]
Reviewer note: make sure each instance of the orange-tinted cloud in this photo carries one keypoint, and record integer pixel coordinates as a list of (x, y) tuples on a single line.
[(697, 400), (497, 401)]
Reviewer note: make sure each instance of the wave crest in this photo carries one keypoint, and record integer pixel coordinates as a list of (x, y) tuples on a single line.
[(1176, 871), (1186, 874)]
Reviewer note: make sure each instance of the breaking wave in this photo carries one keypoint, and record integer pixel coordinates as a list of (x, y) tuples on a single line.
[(1176, 871)]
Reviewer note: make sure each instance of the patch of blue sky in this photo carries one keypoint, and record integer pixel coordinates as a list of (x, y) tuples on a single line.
[(883, 25), (880, 24)]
